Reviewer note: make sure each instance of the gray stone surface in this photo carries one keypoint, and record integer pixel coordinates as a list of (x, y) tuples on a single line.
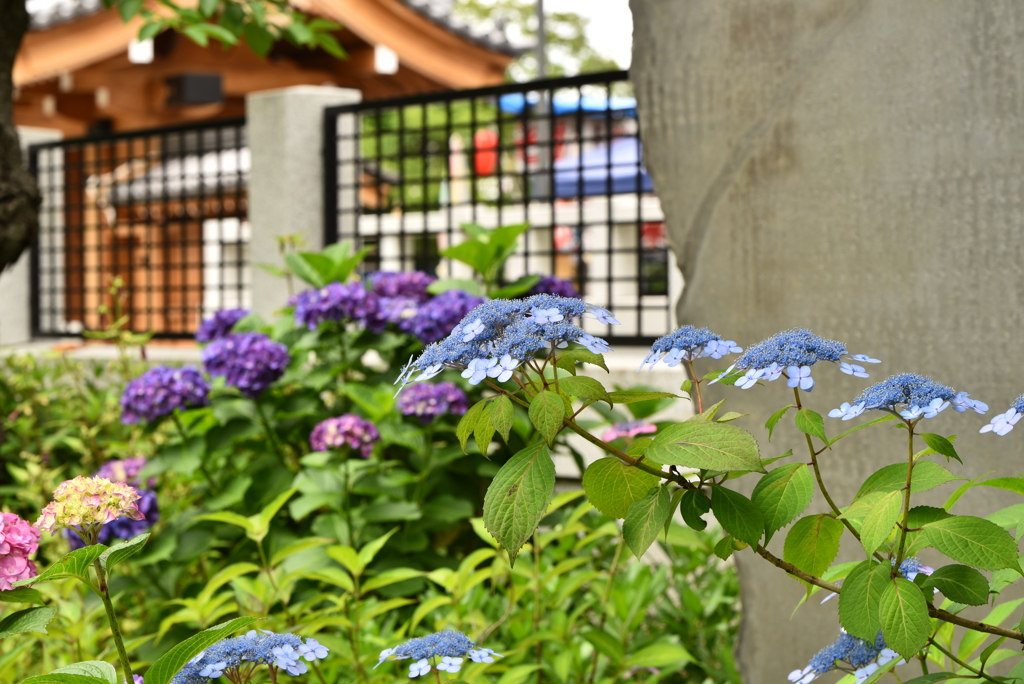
[(286, 182), (856, 167)]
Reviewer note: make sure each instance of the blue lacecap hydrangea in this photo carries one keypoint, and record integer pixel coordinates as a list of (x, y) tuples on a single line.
[(284, 652), (220, 324), (1002, 423), (162, 390), (443, 651), (435, 319), (334, 302), (249, 361), (909, 395), (493, 339), (688, 344), (792, 353)]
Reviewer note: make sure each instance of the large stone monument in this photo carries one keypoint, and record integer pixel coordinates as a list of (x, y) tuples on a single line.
[(855, 167)]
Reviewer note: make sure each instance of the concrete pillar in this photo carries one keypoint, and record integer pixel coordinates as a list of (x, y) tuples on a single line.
[(16, 281), (286, 184)]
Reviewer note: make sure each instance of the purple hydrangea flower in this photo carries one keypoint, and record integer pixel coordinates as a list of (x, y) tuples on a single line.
[(334, 302), (392, 310), (431, 400), (555, 286), (439, 316), (125, 470), (162, 390), (411, 284), (236, 657), (347, 430), (249, 361), (220, 324)]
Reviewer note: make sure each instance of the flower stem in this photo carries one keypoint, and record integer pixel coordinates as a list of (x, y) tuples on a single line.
[(696, 386), (980, 673), (906, 500), (115, 630)]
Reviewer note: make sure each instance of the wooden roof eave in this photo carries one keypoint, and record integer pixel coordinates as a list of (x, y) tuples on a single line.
[(422, 45)]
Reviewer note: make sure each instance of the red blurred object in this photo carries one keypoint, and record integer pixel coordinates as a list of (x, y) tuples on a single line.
[(486, 157)]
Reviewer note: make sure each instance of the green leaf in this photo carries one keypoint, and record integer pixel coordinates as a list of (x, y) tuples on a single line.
[(692, 506), (585, 356), (584, 388), (927, 475), (631, 397), (606, 644), (22, 595), (469, 286), (150, 30), (1010, 484), (258, 38), (725, 547), (116, 554), (931, 678), (861, 427), (812, 543), (517, 288), (128, 9), (612, 486), (477, 255), (940, 445), (903, 613), (309, 267), (91, 668), (660, 654), (483, 433), (959, 583), (546, 413), (858, 600), (230, 518), (712, 446), (638, 446), (973, 541), (75, 564), (782, 495), (518, 497), (28, 620), (645, 519), (775, 418), (880, 520), (811, 423), (171, 662), (467, 424), (64, 678), (391, 576), (503, 415), (208, 7), (737, 514), (297, 546)]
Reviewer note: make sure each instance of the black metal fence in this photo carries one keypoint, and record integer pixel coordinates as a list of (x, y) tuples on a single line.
[(563, 155), (163, 212)]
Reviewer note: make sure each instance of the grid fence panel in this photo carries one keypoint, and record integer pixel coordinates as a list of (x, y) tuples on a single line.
[(564, 155), (162, 213)]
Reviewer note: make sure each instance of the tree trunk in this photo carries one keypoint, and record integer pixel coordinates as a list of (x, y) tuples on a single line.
[(19, 196)]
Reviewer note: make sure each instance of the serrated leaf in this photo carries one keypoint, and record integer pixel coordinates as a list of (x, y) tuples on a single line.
[(638, 446), (503, 416), (724, 548), (931, 678), (28, 620), (858, 600), (903, 614), (74, 564), (645, 519), (973, 541), (584, 388), (737, 514), (467, 424), (782, 495), (632, 397), (775, 418), (372, 548), (708, 445), (812, 543), (940, 445), (927, 475), (692, 506), (22, 595), (959, 583), (546, 413), (518, 497), (811, 423), (880, 520), (660, 654), (861, 427), (171, 662), (483, 433), (311, 267), (63, 678), (585, 356), (116, 554), (297, 546), (391, 576), (612, 486), (91, 668)]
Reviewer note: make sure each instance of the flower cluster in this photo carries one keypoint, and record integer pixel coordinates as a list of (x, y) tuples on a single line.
[(445, 651), (18, 540), (387, 284), (220, 324), (847, 653), (792, 353), (88, 502), (431, 400), (126, 471), (249, 361), (554, 285), (435, 319), (688, 344), (334, 302), (347, 430), (910, 396), (629, 429), (162, 390), (232, 656), (1004, 422), (496, 337)]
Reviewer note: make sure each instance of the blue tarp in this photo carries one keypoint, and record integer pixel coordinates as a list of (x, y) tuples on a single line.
[(593, 176), (569, 103)]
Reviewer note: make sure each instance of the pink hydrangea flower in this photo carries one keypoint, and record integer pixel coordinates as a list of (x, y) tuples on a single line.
[(14, 568), (630, 429), (17, 538), (85, 502)]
